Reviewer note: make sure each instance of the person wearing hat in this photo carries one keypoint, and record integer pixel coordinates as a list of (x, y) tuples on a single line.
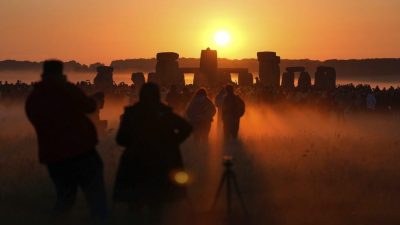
[(67, 140)]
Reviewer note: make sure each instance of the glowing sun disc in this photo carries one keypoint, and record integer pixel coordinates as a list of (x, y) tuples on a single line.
[(222, 38)]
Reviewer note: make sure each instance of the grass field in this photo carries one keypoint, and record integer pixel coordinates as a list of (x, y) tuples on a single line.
[(294, 166)]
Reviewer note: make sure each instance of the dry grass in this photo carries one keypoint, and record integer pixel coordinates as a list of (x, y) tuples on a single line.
[(293, 166)]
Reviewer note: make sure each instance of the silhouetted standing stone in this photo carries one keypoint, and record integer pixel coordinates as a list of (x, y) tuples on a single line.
[(269, 71), (153, 78), (198, 80), (138, 79), (223, 78), (104, 79), (167, 69), (209, 66), (245, 79), (288, 80), (304, 82), (325, 78), (296, 69)]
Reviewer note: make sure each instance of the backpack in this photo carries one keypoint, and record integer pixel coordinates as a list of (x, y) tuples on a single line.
[(239, 107)]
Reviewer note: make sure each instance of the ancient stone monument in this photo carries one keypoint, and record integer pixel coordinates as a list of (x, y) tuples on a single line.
[(209, 66), (167, 69), (104, 78), (288, 80), (209, 75), (304, 82), (288, 77), (245, 79), (198, 79), (138, 79), (269, 71), (325, 78), (295, 69), (224, 77), (153, 78)]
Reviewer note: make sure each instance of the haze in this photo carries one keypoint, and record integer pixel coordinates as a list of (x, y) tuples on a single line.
[(90, 31)]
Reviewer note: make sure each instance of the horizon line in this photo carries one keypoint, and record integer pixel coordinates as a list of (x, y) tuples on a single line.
[(223, 58)]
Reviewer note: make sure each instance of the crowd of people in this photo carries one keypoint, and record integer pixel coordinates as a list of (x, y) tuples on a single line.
[(343, 99), (157, 120), (150, 131)]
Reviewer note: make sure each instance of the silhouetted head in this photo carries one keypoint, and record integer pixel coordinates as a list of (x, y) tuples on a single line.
[(229, 89), (201, 93), (53, 70), (150, 93)]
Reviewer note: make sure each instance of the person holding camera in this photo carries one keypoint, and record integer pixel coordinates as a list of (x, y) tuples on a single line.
[(67, 139)]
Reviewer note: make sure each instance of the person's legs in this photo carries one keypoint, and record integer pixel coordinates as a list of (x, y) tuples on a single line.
[(65, 185), (91, 180), (228, 130), (235, 129)]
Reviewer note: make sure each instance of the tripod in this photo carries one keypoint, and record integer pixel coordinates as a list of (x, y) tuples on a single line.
[(229, 178)]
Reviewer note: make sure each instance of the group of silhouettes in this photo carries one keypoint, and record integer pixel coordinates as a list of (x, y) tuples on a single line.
[(200, 110), (149, 130)]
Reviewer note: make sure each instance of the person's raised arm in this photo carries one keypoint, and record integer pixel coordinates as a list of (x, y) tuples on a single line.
[(182, 128), (80, 100)]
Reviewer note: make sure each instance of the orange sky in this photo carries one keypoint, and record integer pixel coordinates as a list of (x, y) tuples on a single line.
[(94, 30)]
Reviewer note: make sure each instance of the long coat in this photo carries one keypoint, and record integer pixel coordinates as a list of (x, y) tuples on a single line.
[(58, 112), (151, 136)]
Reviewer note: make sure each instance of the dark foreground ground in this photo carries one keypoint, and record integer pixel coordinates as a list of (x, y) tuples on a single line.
[(293, 167)]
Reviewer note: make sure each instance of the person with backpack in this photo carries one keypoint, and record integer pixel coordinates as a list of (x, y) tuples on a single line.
[(233, 108), (200, 113), (151, 134)]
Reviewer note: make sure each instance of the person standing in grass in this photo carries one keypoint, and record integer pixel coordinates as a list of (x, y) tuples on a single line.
[(58, 110)]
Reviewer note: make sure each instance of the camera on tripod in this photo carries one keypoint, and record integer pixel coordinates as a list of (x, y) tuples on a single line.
[(228, 180), (228, 162)]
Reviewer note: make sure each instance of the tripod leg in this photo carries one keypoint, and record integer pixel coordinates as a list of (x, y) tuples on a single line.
[(221, 184), (229, 196), (239, 194)]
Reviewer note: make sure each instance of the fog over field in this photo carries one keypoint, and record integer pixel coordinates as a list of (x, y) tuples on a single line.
[(30, 76), (294, 166)]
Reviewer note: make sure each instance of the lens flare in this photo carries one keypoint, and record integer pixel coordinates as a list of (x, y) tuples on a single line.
[(181, 178)]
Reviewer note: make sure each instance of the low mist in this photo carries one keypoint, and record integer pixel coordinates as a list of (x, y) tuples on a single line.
[(294, 165)]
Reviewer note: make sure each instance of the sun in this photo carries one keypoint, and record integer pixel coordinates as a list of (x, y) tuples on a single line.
[(222, 38)]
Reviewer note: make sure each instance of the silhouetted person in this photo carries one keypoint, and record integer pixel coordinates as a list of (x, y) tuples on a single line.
[(101, 125), (200, 112), (151, 134), (218, 103), (370, 101), (232, 108), (67, 139), (174, 99)]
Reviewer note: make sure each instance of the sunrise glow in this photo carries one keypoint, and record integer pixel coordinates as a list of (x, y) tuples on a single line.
[(222, 38)]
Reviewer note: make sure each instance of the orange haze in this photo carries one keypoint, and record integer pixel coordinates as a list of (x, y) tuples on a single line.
[(93, 30)]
